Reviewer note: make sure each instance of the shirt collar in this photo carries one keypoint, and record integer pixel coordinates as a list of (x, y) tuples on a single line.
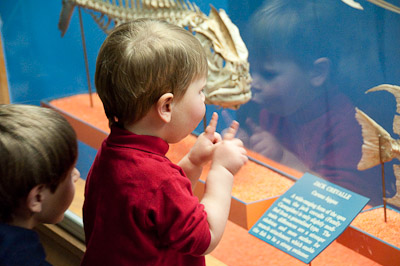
[(124, 138)]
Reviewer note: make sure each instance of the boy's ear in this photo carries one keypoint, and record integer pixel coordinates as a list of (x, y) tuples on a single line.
[(35, 199), (320, 71), (164, 106)]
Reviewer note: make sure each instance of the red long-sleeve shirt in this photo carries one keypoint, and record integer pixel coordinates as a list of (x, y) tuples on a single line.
[(139, 207)]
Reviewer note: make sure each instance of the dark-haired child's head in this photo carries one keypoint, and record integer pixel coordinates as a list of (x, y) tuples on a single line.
[(295, 51), (38, 152)]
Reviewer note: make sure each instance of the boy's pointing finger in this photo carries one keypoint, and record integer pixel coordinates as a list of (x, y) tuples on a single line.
[(231, 132)]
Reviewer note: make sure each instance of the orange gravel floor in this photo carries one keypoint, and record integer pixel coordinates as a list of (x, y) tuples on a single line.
[(373, 222), (252, 183)]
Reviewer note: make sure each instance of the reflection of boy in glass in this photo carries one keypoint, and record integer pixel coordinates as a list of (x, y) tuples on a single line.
[(302, 119)]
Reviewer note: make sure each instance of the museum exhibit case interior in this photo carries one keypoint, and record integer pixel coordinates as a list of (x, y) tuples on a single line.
[(310, 67)]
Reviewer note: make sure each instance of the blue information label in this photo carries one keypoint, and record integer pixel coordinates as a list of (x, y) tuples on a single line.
[(308, 217)]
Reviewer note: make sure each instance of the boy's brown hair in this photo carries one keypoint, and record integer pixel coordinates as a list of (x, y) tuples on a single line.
[(140, 61), (37, 147)]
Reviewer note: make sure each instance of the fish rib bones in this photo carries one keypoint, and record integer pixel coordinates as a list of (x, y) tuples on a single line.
[(229, 79)]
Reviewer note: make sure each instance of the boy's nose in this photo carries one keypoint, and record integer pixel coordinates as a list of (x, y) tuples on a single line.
[(257, 81)]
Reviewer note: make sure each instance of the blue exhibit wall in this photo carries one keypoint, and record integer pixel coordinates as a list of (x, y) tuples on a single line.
[(43, 65), (40, 63)]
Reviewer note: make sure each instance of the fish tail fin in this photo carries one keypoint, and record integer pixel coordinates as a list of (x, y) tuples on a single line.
[(377, 142), (65, 16)]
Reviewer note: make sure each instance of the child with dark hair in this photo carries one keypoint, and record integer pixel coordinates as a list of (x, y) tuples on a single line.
[(38, 152)]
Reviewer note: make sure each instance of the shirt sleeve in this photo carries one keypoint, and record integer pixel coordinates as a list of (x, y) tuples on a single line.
[(178, 217)]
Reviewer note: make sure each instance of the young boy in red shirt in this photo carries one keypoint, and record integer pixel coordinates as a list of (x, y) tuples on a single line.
[(139, 206)]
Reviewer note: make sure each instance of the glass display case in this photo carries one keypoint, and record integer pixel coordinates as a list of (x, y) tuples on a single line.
[(311, 63)]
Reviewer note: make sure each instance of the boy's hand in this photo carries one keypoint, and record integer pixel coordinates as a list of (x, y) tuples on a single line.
[(202, 150), (264, 142), (240, 133), (230, 152)]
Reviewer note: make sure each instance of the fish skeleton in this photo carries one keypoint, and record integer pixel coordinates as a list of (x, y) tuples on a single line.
[(378, 146), (229, 79), (380, 3)]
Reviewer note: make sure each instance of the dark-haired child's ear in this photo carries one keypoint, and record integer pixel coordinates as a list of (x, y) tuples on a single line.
[(35, 199), (320, 71), (164, 106)]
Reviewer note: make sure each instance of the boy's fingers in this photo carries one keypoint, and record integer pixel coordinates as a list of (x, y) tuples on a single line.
[(212, 126), (253, 126), (217, 138), (231, 132)]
